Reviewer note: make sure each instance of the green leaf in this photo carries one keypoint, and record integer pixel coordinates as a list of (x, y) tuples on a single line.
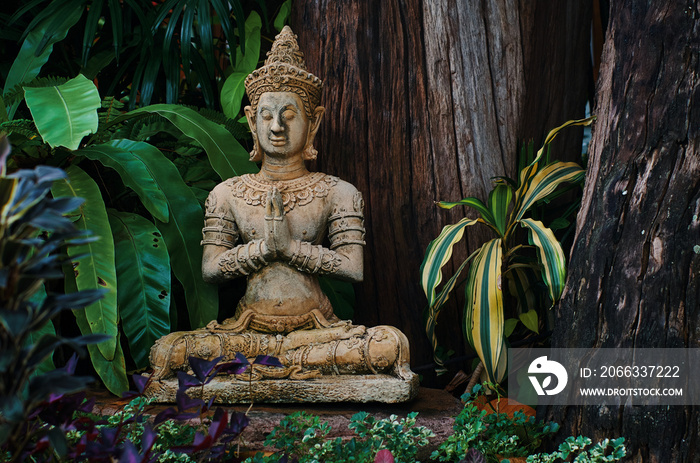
[(438, 254), (247, 60), (499, 200), (125, 156), (182, 233), (484, 306), (47, 364), (520, 283), (232, 94), (226, 155), (143, 279), (93, 263), (544, 183), (477, 204), (530, 320), (283, 15), (32, 57), (551, 256), (341, 294), (64, 114), (433, 311), (509, 326)]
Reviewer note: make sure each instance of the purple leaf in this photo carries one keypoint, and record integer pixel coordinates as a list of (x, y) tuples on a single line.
[(203, 368), (165, 415), (108, 436), (473, 456), (148, 439), (185, 402), (141, 382), (268, 360), (384, 456), (218, 424), (185, 381), (239, 421), (130, 454), (72, 363), (236, 366)]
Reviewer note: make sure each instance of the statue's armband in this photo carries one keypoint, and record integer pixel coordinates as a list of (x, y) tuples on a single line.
[(346, 225), (219, 226)]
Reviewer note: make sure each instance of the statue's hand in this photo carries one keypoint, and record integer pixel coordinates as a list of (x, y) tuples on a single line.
[(277, 236)]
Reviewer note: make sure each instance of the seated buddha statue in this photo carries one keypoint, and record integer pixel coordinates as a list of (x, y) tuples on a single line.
[(280, 229)]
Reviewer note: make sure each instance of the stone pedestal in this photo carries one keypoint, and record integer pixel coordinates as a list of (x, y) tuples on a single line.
[(344, 388)]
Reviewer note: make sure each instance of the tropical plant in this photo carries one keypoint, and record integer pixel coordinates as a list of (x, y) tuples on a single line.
[(138, 50), (34, 236), (577, 449), (508, 203)]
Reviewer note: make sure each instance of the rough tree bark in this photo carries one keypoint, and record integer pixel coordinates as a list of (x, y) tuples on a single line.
[(427, 101), (634, 277)]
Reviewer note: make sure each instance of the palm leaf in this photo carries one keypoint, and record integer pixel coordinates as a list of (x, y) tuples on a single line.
[(438, 254), (64, 114), (124, 157), (31, 57), (484, 305), (93, 18), (143, 278), (551, 257), (226, 155), (93, 262)]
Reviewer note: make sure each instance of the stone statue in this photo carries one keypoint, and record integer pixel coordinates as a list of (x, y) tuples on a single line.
[(270, 228)]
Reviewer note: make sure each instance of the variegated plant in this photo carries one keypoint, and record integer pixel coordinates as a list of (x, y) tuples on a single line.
[(505, 209)]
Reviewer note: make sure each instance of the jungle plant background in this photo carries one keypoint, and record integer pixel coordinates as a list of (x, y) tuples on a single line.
[(140, 103)]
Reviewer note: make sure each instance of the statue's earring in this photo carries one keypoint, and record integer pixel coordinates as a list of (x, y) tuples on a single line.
[(255, 155), (309, 153)]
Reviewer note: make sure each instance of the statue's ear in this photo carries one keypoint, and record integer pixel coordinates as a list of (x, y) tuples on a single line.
[(316, 121), (250, 115)]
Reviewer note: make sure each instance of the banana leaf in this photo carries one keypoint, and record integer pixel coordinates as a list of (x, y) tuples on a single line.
[(551, 256), (438, 254), (182, 233), (125, 157), (485, 305), (65, 113), (143, 278), (93, 262), (37, 48), (225, 153)]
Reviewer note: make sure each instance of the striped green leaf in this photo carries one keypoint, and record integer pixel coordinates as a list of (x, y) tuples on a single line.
[(438, 254), (484, 306), (476, 203), (227, 156), (551, 256), (64, 113), (499, 200), (124, 156), (544, 183), (143, 278), (433, 311), (93, 263)]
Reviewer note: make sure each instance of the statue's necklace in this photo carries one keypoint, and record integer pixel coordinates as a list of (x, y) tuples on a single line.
[(296, 192)]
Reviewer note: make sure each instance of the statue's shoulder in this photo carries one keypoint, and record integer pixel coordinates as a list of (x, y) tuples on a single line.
[(346, 196)]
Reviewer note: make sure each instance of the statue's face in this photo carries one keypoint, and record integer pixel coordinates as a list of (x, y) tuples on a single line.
[(281, 124)]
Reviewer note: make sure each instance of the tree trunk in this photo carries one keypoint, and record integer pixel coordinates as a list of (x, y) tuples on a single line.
[(634, 277), (427, 101)]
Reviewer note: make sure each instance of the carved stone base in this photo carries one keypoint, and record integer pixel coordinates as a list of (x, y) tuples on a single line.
[(341, 388)]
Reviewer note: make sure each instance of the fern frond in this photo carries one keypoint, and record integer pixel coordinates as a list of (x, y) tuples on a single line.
[(24, 127), (111, 108), (49, 81), (239, 131)]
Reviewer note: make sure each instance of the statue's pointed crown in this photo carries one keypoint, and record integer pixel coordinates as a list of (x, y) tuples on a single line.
[(284, 71)]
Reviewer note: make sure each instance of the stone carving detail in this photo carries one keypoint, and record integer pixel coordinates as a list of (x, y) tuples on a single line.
[(280, 229)]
